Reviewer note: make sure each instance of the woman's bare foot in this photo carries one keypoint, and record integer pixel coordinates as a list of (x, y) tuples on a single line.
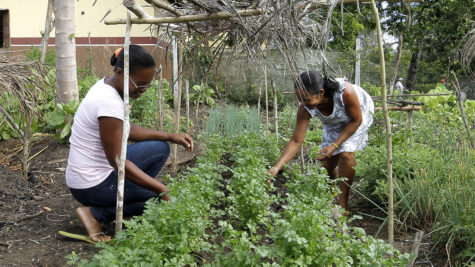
[(92, 226)]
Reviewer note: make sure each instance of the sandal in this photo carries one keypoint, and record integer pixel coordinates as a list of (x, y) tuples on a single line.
[(97, 234)]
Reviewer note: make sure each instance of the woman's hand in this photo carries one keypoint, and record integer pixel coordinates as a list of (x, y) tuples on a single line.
[(165, 197), (183, 139), (273, 172), (327, 152)]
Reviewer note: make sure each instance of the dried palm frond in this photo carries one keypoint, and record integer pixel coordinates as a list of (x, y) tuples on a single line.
[(21, 92), (291, 26), (467, 52)]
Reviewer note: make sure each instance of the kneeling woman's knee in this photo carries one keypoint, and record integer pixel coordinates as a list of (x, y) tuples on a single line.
[(162, 147)]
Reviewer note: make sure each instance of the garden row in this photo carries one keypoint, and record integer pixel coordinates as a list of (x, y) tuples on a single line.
[(223, 213)]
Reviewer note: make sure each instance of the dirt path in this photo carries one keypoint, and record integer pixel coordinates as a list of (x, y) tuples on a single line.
[(32, 214)]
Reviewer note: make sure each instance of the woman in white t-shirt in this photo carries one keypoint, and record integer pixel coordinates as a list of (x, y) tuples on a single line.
[(96, 140)]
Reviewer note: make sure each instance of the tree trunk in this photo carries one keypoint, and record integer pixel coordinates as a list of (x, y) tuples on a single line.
[(66, 77), (48, 27), (411, 72), (397, 61)]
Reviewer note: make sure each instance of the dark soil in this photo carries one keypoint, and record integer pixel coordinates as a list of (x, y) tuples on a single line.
[(33, 210)]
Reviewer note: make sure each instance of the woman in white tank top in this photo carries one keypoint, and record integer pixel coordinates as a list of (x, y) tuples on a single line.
[(346, 113)]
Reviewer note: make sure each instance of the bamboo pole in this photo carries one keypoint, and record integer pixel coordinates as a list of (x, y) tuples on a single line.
[(398, 108), (48, 26), (160, 98), (462, 110), (136, 9), (187, 18), (388, 126), (125, 131), (187, 88), (276, 110), (267, 99)]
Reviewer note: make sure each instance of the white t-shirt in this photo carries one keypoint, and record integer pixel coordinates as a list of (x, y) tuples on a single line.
[(87, 162)]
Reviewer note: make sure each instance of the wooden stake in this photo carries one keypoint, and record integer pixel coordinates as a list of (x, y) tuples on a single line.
[(462, 110), (160, 98), (415, 248), (276, 110), (267, 100), (388, 126), (177, 106), (48, 26), (125, 131), (187, 88)]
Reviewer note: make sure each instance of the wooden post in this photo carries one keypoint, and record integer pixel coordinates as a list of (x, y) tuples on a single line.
[(409, 119), (358, 61), (276, 110), (198, 101), (177, 105), (160, 98), (125, 131), (187, 88), (388, 126), (91, 66), (415, 248), (48, 26), (267, 100)]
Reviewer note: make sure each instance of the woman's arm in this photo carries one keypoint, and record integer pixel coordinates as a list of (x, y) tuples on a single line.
[(111, 138), (353, 110), (295, 142), (138, 133)]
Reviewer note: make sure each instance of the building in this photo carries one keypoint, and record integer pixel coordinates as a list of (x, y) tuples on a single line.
[(22, 23)]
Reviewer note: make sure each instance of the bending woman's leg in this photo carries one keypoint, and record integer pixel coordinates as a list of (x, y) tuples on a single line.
[(346, 169)]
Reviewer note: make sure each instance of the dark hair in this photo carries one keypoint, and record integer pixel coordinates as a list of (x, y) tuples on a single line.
[(312, 82), (139, 58)]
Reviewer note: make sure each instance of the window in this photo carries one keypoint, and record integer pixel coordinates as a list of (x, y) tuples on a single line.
[(4, 28)]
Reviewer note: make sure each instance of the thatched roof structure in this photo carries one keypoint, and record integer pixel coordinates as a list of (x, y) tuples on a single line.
[(467, 53), (244, 26), (21, 90)]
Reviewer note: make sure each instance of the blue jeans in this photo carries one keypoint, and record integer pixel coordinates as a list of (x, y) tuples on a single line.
[(149, 156)]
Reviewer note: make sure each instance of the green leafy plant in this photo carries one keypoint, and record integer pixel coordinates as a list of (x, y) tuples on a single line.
[(62, 118), (205, 94)]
